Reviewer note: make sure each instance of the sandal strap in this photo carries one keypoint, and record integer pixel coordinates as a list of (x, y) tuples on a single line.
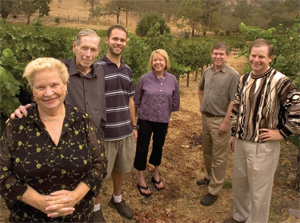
[(142, 187)]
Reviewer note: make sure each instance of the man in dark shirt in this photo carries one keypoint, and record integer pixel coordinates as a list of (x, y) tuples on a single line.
[(86, 89)]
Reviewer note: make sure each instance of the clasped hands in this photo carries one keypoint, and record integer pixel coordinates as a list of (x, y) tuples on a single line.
[(59, 203)]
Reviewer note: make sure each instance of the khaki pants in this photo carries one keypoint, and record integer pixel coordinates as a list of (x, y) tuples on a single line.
[(254, 166), (215, 152)]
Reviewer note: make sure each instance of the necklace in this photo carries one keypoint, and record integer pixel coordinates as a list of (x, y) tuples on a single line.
[(53, 120)]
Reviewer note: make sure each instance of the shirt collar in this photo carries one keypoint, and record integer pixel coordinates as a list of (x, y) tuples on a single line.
[(73, 69), (107, 61), (154, 74), (223, 70)]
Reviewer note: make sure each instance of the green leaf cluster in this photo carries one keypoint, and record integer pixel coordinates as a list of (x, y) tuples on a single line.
[(145, 25), (10, 86)]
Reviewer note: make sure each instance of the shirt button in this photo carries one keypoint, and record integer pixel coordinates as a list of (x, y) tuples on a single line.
[(161, 84), (160, 90)]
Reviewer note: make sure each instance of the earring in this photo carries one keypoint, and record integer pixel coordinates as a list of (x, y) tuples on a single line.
[(67, 92), (32, 98)]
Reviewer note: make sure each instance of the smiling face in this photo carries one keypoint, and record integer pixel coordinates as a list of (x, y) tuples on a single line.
[(259, 59), (158, 63), (116, 42), (219, 58), (49, 90), (86, 52)]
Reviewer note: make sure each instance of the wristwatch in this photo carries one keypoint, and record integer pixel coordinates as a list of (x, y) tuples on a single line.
[(135, 127)]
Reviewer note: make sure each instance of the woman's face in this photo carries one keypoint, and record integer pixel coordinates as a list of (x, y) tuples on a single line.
[(48, 90), (158, 63)]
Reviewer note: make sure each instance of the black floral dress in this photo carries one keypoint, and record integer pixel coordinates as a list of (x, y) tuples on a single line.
[(29, 156)]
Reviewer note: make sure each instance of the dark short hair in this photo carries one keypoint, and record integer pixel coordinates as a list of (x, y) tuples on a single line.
[(110, 29), (263, 42), (221, 45)]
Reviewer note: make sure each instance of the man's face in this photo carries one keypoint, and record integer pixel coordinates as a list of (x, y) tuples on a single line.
[(86, 51), (219, 57), (259, 59), (116, 42)]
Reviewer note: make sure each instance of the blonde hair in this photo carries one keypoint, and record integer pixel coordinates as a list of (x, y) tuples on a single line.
[(162, 53), (45, 63)]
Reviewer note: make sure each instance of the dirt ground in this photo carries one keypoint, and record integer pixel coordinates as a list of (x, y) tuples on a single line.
[(182, 162)]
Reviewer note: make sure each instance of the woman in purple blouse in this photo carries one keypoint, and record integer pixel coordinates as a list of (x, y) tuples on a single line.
[(156, 97)]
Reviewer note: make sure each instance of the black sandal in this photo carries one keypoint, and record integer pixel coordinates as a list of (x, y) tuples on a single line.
[(157, 183), (139, 187)]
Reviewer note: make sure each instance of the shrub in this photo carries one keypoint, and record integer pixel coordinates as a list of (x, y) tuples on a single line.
[(148, 21), (57, 20)]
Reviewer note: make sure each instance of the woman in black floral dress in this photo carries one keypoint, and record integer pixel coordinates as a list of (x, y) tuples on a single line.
[(52, 162)]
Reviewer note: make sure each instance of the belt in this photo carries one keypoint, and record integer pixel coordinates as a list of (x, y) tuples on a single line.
[(211, 115)]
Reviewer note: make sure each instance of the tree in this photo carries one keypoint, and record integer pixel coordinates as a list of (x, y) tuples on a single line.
[(114, 7), (149, 21), (210, 14), (93, 3), (190, 12), (7, 7), (29, 7)]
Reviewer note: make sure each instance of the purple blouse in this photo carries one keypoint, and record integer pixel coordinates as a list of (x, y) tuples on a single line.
[(157, 98)]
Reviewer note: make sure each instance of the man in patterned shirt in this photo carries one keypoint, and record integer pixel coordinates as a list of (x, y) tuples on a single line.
[(266, 110)]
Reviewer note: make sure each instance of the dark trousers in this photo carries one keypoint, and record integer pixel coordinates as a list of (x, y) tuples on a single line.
[(146, 129)]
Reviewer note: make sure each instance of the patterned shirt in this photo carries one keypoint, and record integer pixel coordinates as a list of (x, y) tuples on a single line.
[(269, 101), (118, 88), (29, 156), (157, 98)]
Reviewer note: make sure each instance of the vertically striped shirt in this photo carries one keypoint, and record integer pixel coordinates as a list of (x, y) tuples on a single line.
[(118, 88), (270, 101)]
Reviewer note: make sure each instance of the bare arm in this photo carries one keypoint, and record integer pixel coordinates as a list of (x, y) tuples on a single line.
[(200, 95), (132, 116), (224, 127), (231, 143)]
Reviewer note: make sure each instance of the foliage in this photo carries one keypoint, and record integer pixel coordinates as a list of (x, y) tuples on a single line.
[(190, 13), (57, 20), (8, 7), (113, 7), (148, 22), (10, 87), (210, 15), (136, 56), (29, 7)]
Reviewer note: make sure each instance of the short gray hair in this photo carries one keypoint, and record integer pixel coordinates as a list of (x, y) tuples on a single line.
[(85, 32)]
